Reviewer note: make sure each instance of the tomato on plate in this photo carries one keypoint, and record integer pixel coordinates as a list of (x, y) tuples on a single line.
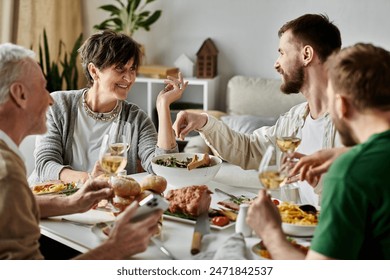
[(276, 202), (220, 221)]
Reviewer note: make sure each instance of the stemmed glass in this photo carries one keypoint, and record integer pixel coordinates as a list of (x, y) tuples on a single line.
[(271, 176), (274, 167), (113, 152), (288, 135)]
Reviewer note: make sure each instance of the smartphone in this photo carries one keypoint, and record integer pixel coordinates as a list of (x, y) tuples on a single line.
[(149, 204)]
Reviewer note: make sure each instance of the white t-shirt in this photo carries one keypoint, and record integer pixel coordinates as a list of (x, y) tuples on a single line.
[(87, 139), (312, 139)]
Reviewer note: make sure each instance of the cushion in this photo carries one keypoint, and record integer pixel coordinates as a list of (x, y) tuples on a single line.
[(196, 144), (258, 96), (247, 123)]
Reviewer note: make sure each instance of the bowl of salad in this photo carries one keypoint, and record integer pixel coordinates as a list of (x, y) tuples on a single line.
[(186, 169)]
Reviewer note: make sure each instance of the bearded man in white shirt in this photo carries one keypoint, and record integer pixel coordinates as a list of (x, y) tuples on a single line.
[(305, 44)]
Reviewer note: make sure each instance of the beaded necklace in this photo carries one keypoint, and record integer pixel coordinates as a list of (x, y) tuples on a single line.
[(105, 117)]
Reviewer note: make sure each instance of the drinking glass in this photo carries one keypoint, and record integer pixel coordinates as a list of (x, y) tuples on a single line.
[(120, 129), (271, 176), (288, 139), (113, 152), (288, 135)]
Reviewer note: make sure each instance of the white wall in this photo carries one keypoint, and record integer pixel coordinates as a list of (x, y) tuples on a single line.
[(245, 31)]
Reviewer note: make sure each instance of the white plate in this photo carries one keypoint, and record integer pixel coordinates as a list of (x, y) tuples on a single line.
[(188, 221), (299, 242), (298, 230)]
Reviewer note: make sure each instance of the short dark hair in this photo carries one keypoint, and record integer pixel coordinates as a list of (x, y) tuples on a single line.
[(362, 73), (317, 31), (107, 48)]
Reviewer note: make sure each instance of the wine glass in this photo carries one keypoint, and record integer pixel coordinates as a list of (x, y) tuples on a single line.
[(288, 135), (113, 157), (288, 139), (120, 129), (271, 176)]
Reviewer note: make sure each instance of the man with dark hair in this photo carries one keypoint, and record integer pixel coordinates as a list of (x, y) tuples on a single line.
[(355, 216), (304, 45)]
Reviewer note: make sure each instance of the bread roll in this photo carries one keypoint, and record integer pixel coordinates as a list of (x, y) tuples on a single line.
[(125, 186), (154, 183), (122, 202), (104, 177), (142, 195)]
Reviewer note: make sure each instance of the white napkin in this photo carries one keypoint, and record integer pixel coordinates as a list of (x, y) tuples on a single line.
[(90, 217), (234, 248)]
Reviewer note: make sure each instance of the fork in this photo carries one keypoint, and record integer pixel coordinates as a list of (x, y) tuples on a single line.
[(76, 223)]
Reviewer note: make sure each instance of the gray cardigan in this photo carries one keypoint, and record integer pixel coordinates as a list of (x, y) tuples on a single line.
[(53, 150)]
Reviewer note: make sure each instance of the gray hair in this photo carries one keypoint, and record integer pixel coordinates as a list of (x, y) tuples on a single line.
[(12, 58)]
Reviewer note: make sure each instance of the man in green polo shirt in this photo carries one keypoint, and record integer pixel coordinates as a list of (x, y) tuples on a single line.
[(355, 217)]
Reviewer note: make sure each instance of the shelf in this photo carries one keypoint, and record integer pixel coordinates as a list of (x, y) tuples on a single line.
[(200, 92)]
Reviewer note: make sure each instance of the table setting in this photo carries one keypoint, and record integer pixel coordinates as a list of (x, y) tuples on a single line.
[(84, 231)]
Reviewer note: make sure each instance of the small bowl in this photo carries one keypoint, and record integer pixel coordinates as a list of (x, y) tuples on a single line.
[(181, 177)]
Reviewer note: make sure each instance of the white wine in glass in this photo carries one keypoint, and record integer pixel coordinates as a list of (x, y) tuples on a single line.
[(113, 164), (288, 135), (271, 176), (113, 158), (288, 144)]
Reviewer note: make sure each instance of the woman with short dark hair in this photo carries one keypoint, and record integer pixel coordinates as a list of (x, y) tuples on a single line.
[(78, 119)]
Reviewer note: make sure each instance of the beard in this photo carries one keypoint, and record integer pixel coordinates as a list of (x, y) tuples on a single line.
[(346, 134), (293, 83)]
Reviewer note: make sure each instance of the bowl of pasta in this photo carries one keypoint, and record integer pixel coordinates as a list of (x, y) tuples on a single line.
[(295, 221), (185, 169)]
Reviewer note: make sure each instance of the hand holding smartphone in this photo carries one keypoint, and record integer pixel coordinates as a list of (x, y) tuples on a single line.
[(148, 205)]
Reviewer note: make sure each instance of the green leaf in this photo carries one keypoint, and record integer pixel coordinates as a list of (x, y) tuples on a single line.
[(130, 16), (110, 8), (120, 3), (153, 18), (136, 4)]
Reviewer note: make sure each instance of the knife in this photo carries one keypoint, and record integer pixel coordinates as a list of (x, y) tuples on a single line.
[(227, 194), (162, 248), (202, 227)]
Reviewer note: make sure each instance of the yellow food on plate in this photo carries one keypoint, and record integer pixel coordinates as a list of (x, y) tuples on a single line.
[(51, 187), (292, 214)]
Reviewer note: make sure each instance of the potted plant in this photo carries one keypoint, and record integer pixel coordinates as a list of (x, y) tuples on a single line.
[(62, 70), (128, 16)]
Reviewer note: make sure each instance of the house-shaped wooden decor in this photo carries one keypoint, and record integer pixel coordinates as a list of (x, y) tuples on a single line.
[(206, 64), (186, 65)]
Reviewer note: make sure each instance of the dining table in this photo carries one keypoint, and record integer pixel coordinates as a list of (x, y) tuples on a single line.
[(79, 232)]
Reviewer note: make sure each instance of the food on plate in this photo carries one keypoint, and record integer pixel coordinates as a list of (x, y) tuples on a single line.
[(142, 195), (196, 162), (125, 190), (173, 162), (191, 200), (154, 183), (232, 216), (53, 187), (189, 163), (292, 214), (234, 204), (276, 202), (220, 221), (262, 251)]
